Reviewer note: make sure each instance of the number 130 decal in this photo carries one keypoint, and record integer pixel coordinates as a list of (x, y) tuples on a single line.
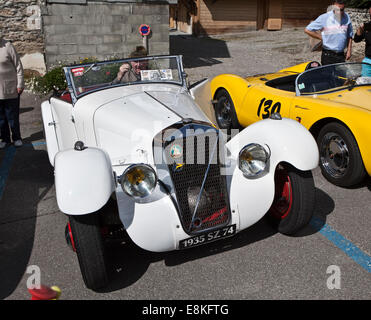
[(268, 108)]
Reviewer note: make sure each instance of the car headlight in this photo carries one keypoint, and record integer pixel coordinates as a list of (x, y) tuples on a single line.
[(253, 159), (139, 180)]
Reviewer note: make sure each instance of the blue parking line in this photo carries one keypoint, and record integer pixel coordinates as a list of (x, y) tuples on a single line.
[(5, 167), (35, 144), (351, 250)]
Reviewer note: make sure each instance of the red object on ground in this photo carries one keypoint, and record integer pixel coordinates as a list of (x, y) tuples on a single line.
[(43, 293)]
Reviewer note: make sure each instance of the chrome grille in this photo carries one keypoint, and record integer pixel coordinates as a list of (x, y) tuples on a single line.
[(193, 161)]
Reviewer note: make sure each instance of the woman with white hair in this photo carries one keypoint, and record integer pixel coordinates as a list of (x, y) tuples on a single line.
[(11, 87)]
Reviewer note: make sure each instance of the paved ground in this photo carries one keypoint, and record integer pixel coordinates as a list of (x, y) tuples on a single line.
[(257, 264)]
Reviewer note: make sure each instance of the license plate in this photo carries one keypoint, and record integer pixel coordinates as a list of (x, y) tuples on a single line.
[(208, 237)]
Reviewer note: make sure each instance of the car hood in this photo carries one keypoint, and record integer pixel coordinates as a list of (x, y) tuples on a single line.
[(125, 127), (358, 97)]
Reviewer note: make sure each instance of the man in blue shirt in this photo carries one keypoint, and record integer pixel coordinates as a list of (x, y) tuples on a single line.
[(336, 34)]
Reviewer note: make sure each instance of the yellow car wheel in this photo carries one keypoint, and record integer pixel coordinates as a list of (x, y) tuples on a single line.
[(225, 113), (340, 160)]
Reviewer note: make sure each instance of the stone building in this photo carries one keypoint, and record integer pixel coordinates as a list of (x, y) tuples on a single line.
[(50, 32), (20, 22)]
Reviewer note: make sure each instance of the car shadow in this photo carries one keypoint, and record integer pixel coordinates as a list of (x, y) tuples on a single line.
[(24, 110), (209, 50), (365, 183), (18, 209), (127, 269), (324, 205)]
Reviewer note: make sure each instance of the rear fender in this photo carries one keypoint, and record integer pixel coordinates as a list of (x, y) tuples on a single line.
[(84, 180)]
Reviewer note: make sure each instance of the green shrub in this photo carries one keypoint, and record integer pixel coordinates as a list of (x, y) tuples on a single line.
[(53, 80)]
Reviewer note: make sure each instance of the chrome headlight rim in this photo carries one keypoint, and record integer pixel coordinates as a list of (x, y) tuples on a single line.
[(267, 154), (131, 167)]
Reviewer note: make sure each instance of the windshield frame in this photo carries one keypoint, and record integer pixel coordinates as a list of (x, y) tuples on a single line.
[(331, 90), (73, 90)]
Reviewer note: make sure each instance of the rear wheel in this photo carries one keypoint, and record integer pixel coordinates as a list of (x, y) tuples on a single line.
[(340, 160), (293, 204), (89, 246)]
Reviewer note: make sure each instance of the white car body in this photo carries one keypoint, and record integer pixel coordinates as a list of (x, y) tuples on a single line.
[(118, 125)]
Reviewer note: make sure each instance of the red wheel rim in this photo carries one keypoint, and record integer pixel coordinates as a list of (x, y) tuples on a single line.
[(70, 237), (282, 202)]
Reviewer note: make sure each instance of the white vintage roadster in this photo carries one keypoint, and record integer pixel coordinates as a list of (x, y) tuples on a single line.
[(177, 180)]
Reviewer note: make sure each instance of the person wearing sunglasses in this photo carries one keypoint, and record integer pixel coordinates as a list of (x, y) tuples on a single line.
[(130, 72), (335, 30)]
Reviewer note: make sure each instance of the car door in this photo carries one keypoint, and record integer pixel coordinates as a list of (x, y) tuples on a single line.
[(64, 123), (262, 101)]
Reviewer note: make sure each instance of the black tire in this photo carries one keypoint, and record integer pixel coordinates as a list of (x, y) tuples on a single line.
[(225, 113), (89, 246), (340, 160), (292, 214)]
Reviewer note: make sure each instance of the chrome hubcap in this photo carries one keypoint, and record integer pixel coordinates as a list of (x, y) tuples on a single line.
[(224, 116), (334, 155)]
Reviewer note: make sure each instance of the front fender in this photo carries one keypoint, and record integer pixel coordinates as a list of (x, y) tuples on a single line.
[(236, 86), (84, 180), (288, 141)]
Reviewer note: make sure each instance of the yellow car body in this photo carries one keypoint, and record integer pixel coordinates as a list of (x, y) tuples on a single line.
[(255, 98)]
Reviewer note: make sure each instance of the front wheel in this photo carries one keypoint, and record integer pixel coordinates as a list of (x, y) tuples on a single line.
[(225, 112), (88, 242), (293, 204)]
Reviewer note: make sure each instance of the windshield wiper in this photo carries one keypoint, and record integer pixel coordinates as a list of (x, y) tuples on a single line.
[(88, 69)]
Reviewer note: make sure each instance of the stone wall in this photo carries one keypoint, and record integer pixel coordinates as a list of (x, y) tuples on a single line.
[(358, 16), (20, 22), (103, 30)]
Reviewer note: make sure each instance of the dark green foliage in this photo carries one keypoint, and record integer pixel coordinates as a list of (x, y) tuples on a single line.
[(53, 80)]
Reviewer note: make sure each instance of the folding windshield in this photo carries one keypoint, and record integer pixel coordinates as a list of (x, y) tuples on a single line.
[(86, 78), (332, 78)]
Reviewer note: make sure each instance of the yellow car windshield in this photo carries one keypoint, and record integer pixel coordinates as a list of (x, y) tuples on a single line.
[(333, 77)]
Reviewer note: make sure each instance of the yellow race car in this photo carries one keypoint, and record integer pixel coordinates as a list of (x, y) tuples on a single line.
[(333, 102)]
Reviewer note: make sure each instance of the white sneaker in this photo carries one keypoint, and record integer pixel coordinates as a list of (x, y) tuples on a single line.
[(18, 143), (2, 144)]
